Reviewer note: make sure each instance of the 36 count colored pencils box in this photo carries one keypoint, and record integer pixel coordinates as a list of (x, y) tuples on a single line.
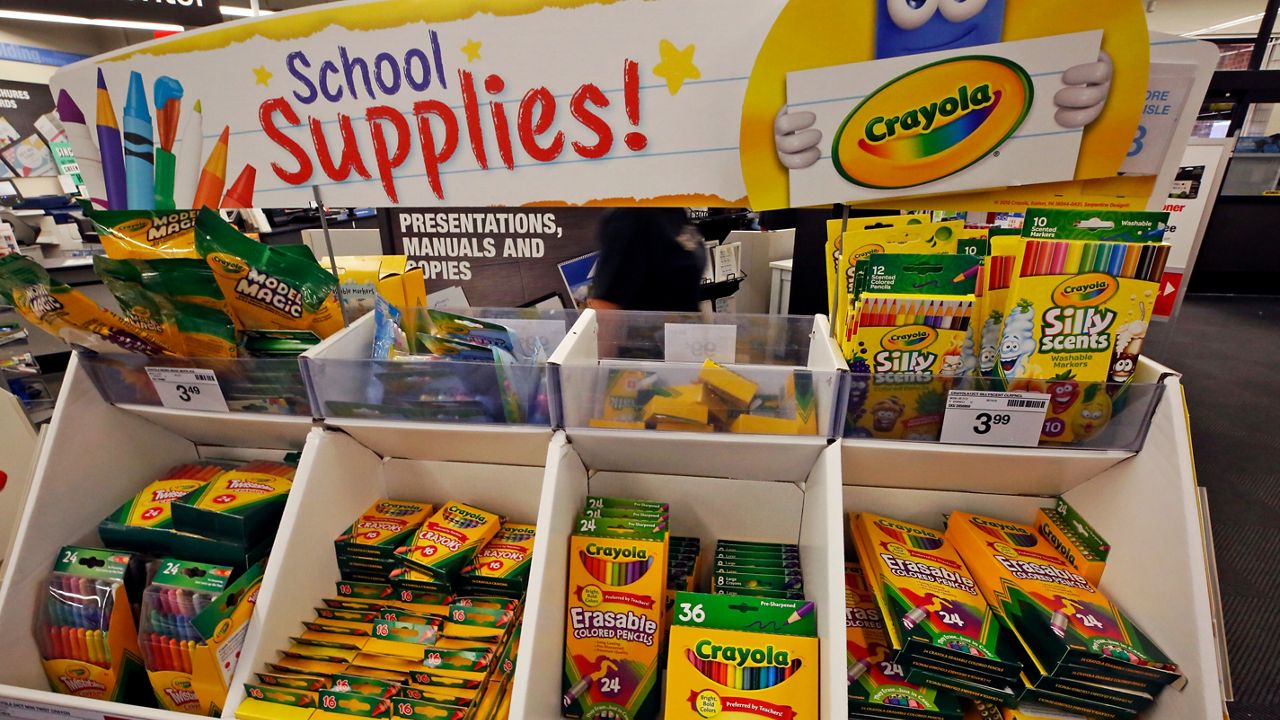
[(742, 658), (617, 583), (85, 629)]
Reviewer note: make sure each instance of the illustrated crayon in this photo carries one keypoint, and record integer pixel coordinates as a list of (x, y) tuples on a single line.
[(167, 95), (214, 174), (111, 150), (190, 152), (86, 153), (240, 195), (139, 150)]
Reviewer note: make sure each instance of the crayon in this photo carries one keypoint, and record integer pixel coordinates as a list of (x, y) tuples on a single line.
[(111, 150), (139, 150), (214, 174), (167, 95), (87, 157), (189, 153), (240, 196)]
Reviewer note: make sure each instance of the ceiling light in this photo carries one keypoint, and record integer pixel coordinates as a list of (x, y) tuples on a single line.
[(101, 22), (242, 12), (1224, 26)]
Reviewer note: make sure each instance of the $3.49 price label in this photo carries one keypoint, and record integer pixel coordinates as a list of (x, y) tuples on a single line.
[(687, 342), (994, 418), (187, 389)]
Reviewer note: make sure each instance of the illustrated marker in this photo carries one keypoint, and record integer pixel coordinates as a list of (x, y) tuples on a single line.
[(167, 95), (113, 176)]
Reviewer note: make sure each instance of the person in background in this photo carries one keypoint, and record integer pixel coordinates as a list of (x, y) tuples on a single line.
[(650, 259)]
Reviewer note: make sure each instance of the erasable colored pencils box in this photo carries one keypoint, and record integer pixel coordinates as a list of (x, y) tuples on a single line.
[(85, 629), (739, 657), (617, 581)]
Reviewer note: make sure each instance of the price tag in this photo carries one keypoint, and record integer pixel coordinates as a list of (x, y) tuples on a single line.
[(187, 388), (695, 343), (994, 418)]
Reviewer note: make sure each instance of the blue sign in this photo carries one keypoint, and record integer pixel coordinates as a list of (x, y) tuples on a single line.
[(37, 55)]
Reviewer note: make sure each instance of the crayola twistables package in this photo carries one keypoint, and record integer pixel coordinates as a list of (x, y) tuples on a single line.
[(1059, 617), (193, 626), (449, 540), (741, 658), (268, 288), (946, 634), (878, 687), (84, 629), (617, 583), (242, 505), (145, 235), (145, 522)]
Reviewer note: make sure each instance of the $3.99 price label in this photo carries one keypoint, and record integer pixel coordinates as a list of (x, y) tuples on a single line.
[(686, 342), (994, 418), (187, 389)]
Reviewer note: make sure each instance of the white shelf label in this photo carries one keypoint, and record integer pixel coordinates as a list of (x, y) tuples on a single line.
[(24, 710), (686, 342), (187, 389), (994, 418)]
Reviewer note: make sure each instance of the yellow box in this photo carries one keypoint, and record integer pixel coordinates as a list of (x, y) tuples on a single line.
[(448, 540), (674, 408), (255, 709), (761, 425), (615, 424), (1068, 546), (731, 387)]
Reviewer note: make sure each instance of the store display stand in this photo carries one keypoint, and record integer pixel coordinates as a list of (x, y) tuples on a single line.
[(18, 445)]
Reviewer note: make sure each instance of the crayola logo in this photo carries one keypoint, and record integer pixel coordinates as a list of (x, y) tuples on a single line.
[(932, 122), (922, 532), (1088, 290), (866, 251), (617, 553), (912, 337)]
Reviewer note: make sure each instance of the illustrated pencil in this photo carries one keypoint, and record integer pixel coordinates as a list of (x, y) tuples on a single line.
[(167, 95), (967, 274), (86, 152), (189, 154), (213, 176), (110, 149), (802, 612), (139, 149)]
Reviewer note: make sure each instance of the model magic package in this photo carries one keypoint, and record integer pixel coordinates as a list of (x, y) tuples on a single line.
[(742, 658), (193, 625), (945, 633), (145, 235), (616, 593), (1067, 628), (85, 628)]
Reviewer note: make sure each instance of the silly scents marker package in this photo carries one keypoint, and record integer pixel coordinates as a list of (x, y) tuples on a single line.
[(617, 584), (268, 288), (742, 658)]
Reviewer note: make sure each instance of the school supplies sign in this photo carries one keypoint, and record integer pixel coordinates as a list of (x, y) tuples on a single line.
[(581, 102)]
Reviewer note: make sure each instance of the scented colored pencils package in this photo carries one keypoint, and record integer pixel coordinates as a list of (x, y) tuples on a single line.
[(85, 628), (193, 624), (878, 687), (617, 582), (734, 657), (1057, 615), (242, 505), (145, 522), (836, 230), (936, 618)]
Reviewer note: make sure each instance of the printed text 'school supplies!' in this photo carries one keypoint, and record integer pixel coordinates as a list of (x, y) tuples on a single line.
[(85, 628), (740, 658), (616, 597)]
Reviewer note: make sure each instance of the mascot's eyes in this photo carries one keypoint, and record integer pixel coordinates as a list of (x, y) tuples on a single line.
[(961, 10), (911, 14)]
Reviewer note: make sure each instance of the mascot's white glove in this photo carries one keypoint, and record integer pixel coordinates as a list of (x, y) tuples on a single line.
[(796, 141), (1088, 86)]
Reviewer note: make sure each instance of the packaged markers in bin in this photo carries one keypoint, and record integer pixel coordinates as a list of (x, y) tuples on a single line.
[(85, 628), (739, 657), (192, 627)]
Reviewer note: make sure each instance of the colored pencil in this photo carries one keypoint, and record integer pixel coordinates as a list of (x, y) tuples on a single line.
[(240, 195), (189, 153), (800, 613), (139, 150), (86, 153), (214, 174), (110, 149), (167, 95), (967, 274)]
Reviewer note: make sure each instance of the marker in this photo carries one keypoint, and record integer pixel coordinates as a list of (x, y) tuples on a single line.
[(167, 95), (803, 611), (189, 154), (112, 153), (87, 158), (240, 196), (139, 152), (214, 174)]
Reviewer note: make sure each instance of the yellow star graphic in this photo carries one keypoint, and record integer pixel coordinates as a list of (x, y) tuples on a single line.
[(676, 65), (471, 50), (262, 75)]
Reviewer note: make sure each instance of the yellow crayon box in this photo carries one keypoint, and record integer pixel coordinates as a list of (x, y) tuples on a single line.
[(449, 540), (617, 582), (731, 388), (741, 658), (385, 526), (503, 563)]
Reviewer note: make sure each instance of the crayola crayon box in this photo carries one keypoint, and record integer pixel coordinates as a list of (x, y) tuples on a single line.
[(740, 658), (944, 631), (85, 627), (878, 687), (194, 621), (502, 565), (617, 584), (1058, 617), (145, 522), (449, 540), (385, 526), (242, 505)]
